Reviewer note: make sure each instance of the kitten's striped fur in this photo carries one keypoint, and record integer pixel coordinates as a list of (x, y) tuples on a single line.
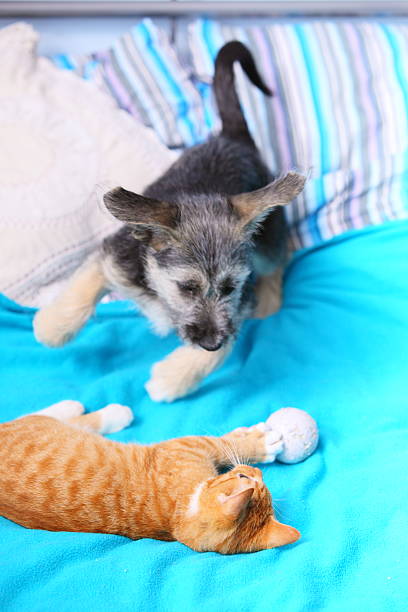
[(57, 474)]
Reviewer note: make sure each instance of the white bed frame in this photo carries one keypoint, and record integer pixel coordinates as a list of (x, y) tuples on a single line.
[(32, 8)]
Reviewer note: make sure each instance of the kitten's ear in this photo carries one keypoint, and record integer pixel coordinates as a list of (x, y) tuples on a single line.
[(254, 206), (152, 220), (233, 505), (277, 534)]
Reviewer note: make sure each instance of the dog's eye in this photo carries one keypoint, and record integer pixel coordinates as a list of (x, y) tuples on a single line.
[(188, 288), (227, 288)]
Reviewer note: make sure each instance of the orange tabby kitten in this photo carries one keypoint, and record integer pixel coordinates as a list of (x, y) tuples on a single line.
[(57, 474)]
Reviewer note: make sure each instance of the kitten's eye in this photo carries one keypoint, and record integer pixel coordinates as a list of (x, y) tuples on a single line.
[(227, 288), (188, 288), (243, 476)]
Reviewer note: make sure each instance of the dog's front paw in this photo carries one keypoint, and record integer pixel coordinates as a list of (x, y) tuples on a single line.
[(56, 324), (175, 376), (49, 329), (182, 371), (167, 385)]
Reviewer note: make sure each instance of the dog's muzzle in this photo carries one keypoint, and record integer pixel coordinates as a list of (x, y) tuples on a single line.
[(207, 338)]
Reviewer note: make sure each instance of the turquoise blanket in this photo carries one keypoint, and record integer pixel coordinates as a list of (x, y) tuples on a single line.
[(338, 349)]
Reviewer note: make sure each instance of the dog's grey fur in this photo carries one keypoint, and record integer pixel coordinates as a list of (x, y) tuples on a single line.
[(190, 243)]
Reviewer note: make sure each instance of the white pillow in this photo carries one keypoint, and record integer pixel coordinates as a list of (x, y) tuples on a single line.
[(61, 138)]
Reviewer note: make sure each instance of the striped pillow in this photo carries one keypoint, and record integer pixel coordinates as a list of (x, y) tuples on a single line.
[(143, 73), (339, 109)]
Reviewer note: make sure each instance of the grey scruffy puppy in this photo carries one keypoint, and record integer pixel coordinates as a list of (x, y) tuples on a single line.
[(189, 244)]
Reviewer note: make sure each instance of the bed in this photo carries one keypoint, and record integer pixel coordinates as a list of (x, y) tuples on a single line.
[(337, 349)]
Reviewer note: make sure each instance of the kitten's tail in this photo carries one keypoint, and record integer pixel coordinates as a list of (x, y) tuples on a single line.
[(233, 120)]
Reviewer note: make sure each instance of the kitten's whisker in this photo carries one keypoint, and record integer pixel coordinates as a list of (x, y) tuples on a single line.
[(237, 456), (228, 452), (236, 453), (279, 514)]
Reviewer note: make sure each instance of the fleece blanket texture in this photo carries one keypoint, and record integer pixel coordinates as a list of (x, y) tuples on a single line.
[(338, 349)]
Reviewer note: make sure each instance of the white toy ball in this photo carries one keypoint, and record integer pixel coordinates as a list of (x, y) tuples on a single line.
[(297, 431)]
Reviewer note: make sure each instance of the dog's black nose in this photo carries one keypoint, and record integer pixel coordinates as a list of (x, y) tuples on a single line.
[(209, 345), (205, 336)]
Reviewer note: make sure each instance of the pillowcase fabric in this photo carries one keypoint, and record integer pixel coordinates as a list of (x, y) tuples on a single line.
[(62, 142), (339, 110)]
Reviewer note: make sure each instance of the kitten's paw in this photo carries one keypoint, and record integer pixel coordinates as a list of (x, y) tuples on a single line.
[(67, 409), (243, 431), (55, 325), (169, 382), (273, 444), (269, 442), (114, 417)]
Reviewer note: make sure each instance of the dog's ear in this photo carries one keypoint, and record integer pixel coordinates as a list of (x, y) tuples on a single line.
[(254, 206), (152, 220)]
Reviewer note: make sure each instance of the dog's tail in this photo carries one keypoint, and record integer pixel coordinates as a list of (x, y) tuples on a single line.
[(232, 117)]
